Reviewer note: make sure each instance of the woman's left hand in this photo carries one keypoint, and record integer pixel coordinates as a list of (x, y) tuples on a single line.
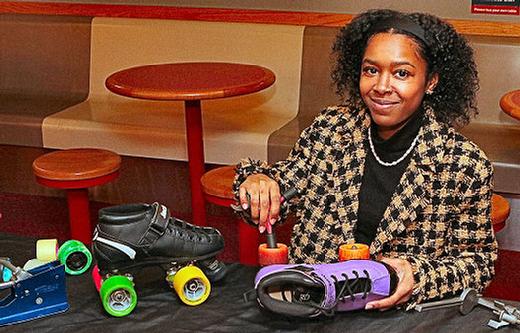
[(404, 287)]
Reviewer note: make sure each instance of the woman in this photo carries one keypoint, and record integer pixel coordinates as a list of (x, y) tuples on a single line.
[(387, 168)]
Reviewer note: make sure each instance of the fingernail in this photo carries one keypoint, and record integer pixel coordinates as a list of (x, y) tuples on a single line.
[(261, 229), (369, 306), (273, 221), (244, 206)]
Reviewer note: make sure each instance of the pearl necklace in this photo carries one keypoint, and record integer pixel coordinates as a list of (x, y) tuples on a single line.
[(389, 164)]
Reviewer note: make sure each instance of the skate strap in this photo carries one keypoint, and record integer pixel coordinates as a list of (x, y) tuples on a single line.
[(157, 225)]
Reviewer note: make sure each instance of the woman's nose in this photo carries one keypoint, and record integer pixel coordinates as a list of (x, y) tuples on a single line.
[(383, 84)]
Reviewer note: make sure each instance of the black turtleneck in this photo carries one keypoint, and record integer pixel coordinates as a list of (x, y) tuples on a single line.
[(379, 182)]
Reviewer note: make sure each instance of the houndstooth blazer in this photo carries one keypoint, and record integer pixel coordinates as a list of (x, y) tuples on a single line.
[(438, 218)]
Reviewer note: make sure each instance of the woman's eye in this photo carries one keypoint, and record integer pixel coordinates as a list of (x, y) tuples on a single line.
[(402, 73), (370, 70)]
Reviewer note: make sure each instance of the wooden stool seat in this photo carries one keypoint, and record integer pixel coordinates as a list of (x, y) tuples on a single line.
[(75, 170), (500, 210), (217, 188), (218, 182), (510, 103)]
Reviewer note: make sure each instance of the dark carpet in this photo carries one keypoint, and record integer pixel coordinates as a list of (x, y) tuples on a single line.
[(46, 217)]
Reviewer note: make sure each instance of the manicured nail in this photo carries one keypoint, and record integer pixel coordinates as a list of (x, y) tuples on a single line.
[(369, 306), (261, 229), (273, 221), (244, 206)]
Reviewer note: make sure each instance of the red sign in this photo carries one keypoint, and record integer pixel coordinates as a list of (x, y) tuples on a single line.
[(496, 7)]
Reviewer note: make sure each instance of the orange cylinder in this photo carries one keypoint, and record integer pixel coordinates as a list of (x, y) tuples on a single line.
[(353, 251), (271, 256)]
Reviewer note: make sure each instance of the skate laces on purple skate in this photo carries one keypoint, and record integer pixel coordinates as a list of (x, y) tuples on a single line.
[(323, 289)]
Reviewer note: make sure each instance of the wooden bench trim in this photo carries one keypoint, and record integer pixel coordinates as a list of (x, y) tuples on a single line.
[(468, 27)]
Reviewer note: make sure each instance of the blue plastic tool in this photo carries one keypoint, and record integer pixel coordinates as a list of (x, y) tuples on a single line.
[(34, 294)]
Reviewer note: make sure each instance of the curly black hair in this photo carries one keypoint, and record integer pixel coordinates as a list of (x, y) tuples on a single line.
[(445, 51)]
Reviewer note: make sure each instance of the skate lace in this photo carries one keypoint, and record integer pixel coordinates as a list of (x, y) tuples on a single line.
[(184, 228), (346, 291)]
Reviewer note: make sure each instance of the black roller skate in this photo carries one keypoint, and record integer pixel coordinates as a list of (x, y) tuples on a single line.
[(135, 235)]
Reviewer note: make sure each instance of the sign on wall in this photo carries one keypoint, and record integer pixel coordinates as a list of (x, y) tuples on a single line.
[(497, 7)]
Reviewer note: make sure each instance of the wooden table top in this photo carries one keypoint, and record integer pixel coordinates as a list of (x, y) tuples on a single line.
[(510, 103), (189, 81)]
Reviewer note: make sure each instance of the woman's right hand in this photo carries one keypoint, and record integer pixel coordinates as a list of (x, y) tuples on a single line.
[(264, 203)]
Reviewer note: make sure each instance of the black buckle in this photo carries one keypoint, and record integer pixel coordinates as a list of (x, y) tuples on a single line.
[(157, 226)]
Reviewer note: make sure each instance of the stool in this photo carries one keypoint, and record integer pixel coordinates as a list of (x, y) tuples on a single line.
[(510, 103), (217, 189), (499, 212), (75, 170)]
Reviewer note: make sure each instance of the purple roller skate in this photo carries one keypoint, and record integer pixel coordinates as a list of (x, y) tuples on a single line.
[(311, 290)]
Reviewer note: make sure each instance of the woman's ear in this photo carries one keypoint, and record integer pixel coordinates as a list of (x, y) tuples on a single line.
[(432, 83)]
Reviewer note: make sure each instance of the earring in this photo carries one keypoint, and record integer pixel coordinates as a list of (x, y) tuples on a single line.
[(428, 92)]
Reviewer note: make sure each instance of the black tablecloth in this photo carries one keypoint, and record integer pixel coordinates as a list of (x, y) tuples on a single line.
[(159, 309)]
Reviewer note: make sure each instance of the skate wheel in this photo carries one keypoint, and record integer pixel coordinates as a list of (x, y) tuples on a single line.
[(270, 256), (191, 285), (46, 250), (353, 251), (118, 296), (75, 256), (96, 277), (30, 264)]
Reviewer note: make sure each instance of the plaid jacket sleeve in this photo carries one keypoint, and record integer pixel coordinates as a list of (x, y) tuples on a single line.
[(289, 173)]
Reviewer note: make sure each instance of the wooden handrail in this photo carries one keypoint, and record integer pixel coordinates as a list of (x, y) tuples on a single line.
[(467, 27)]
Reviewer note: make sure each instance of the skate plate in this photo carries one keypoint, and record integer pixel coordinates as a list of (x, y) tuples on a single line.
[(39, 295)]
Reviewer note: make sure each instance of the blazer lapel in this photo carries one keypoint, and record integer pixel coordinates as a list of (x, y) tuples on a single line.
[(348, 170), (413, 190)]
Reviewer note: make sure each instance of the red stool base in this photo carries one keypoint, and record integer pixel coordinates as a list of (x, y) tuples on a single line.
[(78, 203), (248, 236)]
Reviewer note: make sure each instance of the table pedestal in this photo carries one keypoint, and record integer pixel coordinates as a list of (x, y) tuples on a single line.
[(193, 116)]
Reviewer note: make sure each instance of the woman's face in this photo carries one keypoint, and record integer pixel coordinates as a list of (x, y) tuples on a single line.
[(393, 81)]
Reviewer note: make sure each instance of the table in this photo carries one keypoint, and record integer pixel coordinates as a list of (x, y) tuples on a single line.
[(159, 309), (510, 103), (191, 83)]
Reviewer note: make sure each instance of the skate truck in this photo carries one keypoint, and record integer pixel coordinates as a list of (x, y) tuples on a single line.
[(31, 294), (131, 236), (303, 290)]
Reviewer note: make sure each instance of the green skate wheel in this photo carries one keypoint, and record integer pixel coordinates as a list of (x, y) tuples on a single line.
[(75, 256), (46, 250), (191, 285), (118, 296)]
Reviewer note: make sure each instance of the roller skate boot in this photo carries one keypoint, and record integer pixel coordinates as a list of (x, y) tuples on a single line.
[(137, 235), (322, 289)]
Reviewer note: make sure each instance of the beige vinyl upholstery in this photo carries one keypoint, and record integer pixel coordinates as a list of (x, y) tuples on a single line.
[(234, 128)]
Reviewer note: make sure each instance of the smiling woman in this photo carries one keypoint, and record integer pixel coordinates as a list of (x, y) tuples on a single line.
[(387, 168)]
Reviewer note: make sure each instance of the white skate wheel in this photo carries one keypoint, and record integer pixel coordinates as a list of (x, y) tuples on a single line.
[(32, 264), (47, 250)]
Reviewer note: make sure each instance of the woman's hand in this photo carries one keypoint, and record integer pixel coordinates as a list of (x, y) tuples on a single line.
[(404, 288), (264, 201)]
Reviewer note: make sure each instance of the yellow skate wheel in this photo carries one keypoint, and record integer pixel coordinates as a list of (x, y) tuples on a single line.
[(47, 250), (191, 285)]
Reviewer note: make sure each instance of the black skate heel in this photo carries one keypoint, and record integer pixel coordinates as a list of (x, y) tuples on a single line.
[(137, 235)]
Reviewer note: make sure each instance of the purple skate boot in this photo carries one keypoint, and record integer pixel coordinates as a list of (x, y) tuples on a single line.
[(311, 290)]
